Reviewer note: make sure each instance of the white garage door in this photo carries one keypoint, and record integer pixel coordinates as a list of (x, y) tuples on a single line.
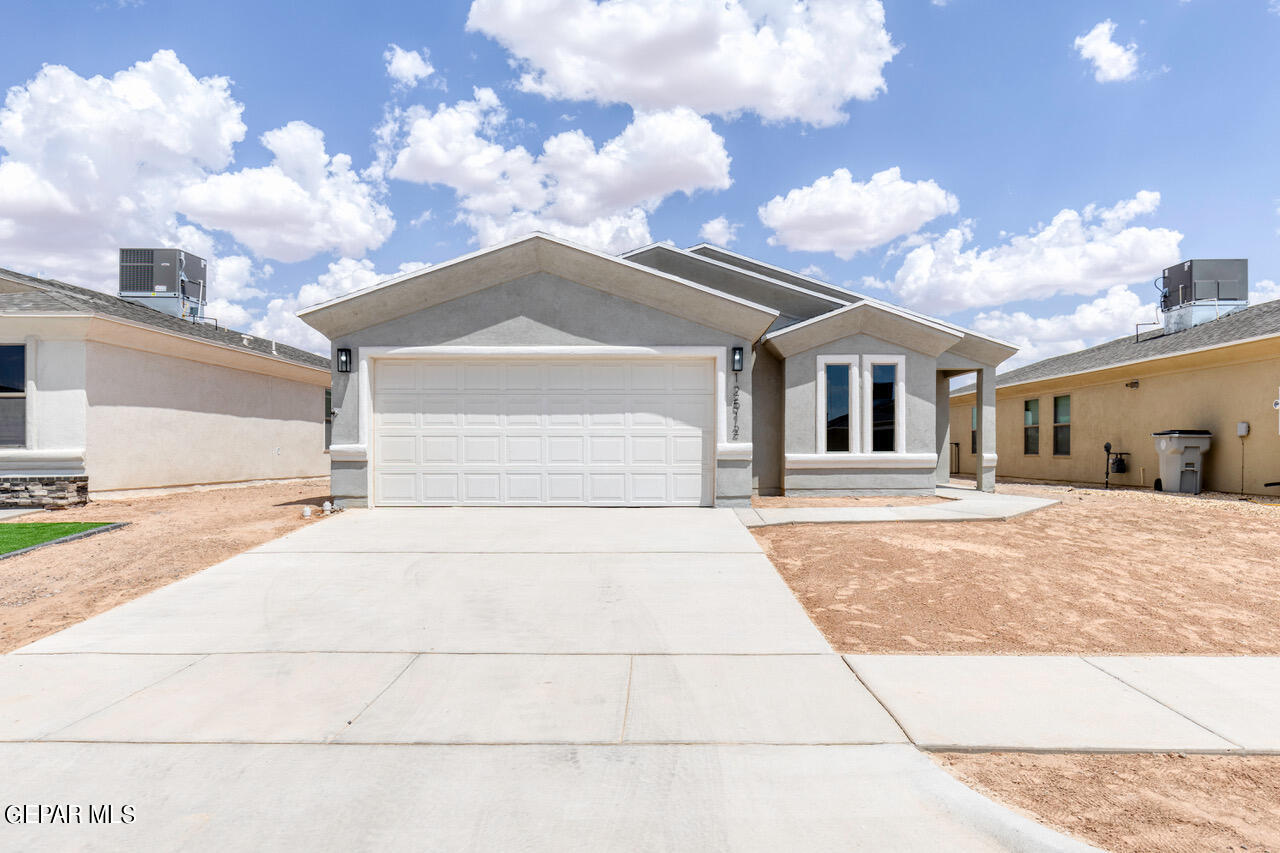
[(601, 432)]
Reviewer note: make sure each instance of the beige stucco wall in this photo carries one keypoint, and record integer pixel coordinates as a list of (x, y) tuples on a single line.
[(1213, 390), (156, 420)]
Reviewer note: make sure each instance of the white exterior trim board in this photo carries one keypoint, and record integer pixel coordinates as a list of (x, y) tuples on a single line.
[(861, 460)]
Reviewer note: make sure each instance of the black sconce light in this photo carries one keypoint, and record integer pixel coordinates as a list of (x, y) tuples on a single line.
[(344, 361), (1131, 384), (737, 359)]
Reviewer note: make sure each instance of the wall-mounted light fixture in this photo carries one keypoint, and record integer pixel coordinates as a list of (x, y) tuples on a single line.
[(344, 361), (737, 359), (1132, 383)]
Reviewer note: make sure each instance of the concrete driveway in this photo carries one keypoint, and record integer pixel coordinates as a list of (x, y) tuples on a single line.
[(535, 679)]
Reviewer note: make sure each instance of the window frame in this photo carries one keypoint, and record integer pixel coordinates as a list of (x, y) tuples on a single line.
[(899, 362), (1026, 427), (1066, 425), (21, 395), (820, 409)]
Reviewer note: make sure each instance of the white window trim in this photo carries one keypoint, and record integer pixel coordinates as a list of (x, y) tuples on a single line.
[(820, 411), (899, 401)]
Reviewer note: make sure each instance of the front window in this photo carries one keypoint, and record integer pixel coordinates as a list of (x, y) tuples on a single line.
[(1031, 427), (1062, 426), (13, 395), (837, 414), (884, 407), (973, 430)]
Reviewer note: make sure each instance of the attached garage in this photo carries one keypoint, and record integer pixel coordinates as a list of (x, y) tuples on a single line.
[(534, 430)]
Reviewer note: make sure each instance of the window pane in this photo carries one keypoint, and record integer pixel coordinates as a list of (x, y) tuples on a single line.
[(1031, 413), (837, 408), (13, 369), (973, 442), (884, 384), (1062, 410), (13, 421), (1062, 440), (973, 417), (1031, 440)]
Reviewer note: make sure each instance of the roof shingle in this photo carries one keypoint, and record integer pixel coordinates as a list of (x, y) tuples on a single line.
[(49, 296)]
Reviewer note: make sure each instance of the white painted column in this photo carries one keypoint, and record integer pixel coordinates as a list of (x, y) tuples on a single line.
[(986, 402)]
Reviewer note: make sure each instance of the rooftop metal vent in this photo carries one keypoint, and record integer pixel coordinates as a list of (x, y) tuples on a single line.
[(1197, 291), (168, 280)]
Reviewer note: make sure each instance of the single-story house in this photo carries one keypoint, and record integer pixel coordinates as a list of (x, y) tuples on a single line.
[(99, 394), (539, 372), (1056, 415)]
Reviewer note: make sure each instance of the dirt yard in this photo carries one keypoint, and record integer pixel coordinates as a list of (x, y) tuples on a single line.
[(168, 537), (1122, 572), (1133, 803), (870, 500)]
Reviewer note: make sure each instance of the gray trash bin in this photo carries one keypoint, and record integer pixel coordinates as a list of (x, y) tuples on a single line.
[(1181, 453)]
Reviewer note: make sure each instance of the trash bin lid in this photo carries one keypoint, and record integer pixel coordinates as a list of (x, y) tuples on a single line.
[(1183, 432)]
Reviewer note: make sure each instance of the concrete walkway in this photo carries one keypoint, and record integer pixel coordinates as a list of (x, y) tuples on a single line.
[(476, 679), (961, 505), (1080, 704)]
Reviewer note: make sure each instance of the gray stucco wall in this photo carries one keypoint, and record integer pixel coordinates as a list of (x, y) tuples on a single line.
[(800, 372), (536, 310), (767, 422)]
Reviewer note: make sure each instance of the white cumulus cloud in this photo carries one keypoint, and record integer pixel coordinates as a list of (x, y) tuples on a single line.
[(1265, 290), (719, 231), (781, 60), (345, 275), (1078, 252), (1112, 61), (599, 195), (92, 164), (840, 215), (1109, 316), (407, 67), (304, 203)]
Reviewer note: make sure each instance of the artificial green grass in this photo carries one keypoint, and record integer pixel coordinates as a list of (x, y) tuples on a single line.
[(17, 535)]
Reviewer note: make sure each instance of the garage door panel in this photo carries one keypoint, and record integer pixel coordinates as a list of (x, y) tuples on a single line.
[(610, 489), (481, 411), (524, 450), (525, 488), (566, 450), (607, 450), (440, 488), (482, 449), (566, 488), (439, 450), (398, 450), (649, 450), (398, 487), (686, 449), (484, 431)]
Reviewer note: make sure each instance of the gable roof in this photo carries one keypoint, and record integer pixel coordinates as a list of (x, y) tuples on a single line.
[(534, 253), (864, 317), (1248, 324), (793, 302), (969, 344), (29, 295)]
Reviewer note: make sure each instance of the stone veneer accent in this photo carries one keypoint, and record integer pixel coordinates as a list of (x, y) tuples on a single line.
[(53, 490)]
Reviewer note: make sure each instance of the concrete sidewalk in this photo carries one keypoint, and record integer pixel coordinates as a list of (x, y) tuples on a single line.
[(961, 505), (534, 679), (1080, 704)]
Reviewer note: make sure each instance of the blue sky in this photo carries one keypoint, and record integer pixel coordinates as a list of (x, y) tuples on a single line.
[(1050, 157)]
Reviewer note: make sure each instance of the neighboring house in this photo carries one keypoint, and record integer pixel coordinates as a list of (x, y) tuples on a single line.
[(540, 372), (98, 394), (1056, 415)]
